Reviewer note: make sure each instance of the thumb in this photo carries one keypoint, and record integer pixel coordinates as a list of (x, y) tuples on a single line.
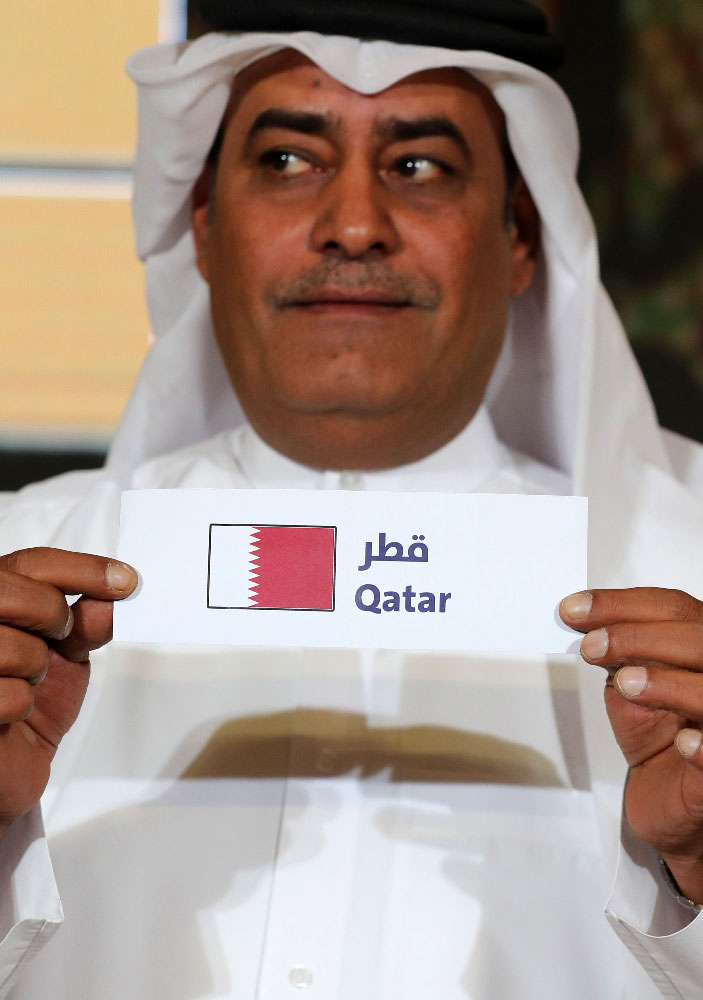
[(92, 628)]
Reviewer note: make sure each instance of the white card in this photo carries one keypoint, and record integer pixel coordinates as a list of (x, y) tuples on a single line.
[(474, 572)]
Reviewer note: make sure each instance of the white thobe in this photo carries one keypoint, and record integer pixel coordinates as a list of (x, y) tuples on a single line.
[(256, 823)]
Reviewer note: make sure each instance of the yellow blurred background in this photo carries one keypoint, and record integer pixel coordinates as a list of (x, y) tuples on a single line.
[(75, 327)]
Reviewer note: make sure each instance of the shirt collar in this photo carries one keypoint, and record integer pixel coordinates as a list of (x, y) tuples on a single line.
[(461, 465)]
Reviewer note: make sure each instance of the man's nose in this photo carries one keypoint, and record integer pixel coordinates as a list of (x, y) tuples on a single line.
[(355, 216)]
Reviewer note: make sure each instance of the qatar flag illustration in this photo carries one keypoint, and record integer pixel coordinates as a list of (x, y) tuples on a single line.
[(275, 566)]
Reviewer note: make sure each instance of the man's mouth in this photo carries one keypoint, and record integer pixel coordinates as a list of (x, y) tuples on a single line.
[(361, 299)]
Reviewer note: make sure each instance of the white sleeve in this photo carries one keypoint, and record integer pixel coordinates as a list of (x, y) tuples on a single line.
[(665, 937), (30, 908)]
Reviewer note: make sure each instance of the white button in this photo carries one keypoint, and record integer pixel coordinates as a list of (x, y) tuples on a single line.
[(300, 977), (351, 481)]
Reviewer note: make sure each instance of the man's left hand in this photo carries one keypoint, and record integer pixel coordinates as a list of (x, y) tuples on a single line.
[(651, 643)]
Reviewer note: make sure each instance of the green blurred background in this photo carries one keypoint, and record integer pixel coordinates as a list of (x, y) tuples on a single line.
[(635, 75)]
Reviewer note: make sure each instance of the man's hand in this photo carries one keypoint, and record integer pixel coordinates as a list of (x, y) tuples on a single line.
[(44, 649), (651, 642)]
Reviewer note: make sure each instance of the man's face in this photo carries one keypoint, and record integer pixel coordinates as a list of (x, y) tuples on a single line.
[(359, 260)]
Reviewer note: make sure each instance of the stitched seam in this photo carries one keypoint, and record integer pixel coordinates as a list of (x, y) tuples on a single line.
[(34, 946), (649, 963)]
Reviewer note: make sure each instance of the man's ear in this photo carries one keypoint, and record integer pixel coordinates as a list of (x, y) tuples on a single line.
[(201, 219), (525, 233)]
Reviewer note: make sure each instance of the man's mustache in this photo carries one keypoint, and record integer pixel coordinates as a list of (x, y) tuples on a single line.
[(343, 275)]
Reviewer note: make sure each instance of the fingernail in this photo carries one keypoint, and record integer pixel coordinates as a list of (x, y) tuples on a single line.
[(120, 576), (577, 606), (688, 742), (595, 645), (631, 681), (68, 626)]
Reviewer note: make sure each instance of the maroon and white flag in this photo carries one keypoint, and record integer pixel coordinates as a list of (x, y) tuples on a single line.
[(274, 566)]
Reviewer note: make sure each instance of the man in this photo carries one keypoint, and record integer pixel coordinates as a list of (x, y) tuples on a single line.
[(247, 823)]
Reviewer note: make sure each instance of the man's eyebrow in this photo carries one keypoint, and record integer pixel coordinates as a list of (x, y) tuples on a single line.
[(296, 121), (407, 129)]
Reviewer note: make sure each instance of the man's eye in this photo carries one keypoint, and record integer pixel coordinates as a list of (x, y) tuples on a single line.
[(420, 168), (284, 162)]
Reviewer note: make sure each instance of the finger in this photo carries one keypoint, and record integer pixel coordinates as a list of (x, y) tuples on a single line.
[(22, 655), (674, 643), (653, 687), (36, 607), (16, 700), (592, 609), (74, 572), (641, 732), (92, 628), (689, 743)]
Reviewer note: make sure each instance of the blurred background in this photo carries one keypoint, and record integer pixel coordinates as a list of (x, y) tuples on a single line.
[(75, 328)]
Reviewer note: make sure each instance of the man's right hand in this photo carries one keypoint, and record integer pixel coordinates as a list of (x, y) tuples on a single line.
[(44, 666)]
